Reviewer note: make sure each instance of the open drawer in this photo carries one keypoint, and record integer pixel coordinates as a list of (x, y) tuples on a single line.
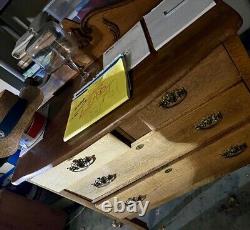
[(196, 169), (74, 170), (156, 149)]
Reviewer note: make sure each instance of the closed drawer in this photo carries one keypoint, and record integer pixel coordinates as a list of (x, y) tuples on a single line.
[(199, 168), (213, 75), (75, 169), (171, 142)]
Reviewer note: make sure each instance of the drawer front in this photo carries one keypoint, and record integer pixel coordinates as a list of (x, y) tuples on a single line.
[(159, 148), (211, 119), (75, 169), (213, 75), (199, 168), (167, 20)]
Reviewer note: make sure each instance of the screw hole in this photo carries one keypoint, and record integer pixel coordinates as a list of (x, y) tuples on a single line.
[(168, 170), (138, 147)]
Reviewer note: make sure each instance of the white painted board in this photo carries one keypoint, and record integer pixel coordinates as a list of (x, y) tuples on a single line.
[(171, 17), (134, 44)]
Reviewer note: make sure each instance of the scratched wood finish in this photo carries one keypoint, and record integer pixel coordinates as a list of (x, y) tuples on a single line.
[(168, 144), (149, 79), (213, 75), (240, 57), (199, 168)]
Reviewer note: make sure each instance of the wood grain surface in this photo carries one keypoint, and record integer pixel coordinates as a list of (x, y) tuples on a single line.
[(240, 57), (212, 76), (148, 79), (168, 144), (60, 177), (108, 24), (195, 170)]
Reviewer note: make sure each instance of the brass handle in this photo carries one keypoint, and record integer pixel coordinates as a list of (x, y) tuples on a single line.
[(173, 98), (234, 150), (133, 200), (104, 181), (209, 121), (81, 164)]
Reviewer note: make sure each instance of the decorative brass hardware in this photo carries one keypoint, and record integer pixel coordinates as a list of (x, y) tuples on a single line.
[(133, 200), (104, 181), (168, 170), (209, 121), (139, 147), (81, 164), (173, 98), (234, 150)]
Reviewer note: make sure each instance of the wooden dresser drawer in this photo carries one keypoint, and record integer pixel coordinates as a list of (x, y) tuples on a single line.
[(213, 75), (156, 149), (210, 120), (75, 169), (198, 168)]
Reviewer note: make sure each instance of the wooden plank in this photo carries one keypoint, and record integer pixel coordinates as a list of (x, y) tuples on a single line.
[(240, 57), (197, 169), (60, 177), (148, 79), (168, 144)]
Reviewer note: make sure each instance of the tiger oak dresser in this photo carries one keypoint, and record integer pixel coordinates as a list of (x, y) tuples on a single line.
[(186, 124)]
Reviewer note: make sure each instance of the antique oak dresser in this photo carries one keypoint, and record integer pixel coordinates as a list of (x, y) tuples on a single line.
[(186, 124)]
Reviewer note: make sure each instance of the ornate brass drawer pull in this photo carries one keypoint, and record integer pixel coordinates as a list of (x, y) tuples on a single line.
[(209, 121), (234, 150), (104, 181), (133, 200), (173, 98), (81, 164)]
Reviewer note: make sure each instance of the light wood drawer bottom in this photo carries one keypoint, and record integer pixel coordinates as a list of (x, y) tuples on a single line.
[(95, 156), (197, 169)]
